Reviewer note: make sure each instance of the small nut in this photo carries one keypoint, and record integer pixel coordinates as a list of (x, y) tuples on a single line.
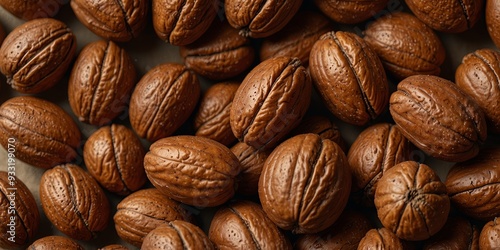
[(381, 238), (32, 9), (322, 126), (252, 162), (177, 234), (352, 11), (489, 239), (55, 243)]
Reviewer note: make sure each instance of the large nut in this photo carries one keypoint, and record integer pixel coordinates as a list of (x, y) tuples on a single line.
[(32, 9), (493, 20), (489, 239), (350, 12), (177, 234), (55, 243)]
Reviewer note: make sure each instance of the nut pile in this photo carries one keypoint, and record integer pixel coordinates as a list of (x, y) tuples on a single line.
[(326, 124)]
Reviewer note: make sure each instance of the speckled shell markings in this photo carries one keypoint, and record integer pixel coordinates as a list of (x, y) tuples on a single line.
[(177, 234)]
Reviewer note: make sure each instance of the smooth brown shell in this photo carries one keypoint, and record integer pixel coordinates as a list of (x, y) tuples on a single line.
[(252, 162), (177, 234), (36, 54), (350, 12), (380, 239), (305, 184), (323, 126), (45, 135), (489, 238), (437, 117), (458, 233), (493, 20), (73, 202), (33, 9), (349, 77), (55, 242)]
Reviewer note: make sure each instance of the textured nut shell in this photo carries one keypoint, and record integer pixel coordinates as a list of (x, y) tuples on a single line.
[(221, 53), (113, 247), (447, 16), (349, 77), (27, 217), (212, 119), (32, 9), (479, 77), (489, 238), (36, 54), (177, 234), (493, 20), (55, 242), (45, 134), (350, 12), (114, 156), (305, 184), (182, 22), (381, 238), (260, 18), (118, 21), (322, 126), (163, 100), (271, 101), (191, 169), (473, 186), (430, 107), (144, 210), (405, 45), (244, 225), (101, 82), (252, 162), (411, 201), (457, 233), (74, 202)]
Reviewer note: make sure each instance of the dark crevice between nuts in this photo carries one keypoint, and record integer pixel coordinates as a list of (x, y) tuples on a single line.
[(470, 241), (177, 16), (94, 95), (465, 12), (115, 153), (180, 234), (248, 227), (125, 17), (73, 200)]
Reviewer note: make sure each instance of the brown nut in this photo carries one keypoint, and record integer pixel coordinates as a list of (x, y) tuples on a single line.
[(18, 209), (305, 184), (113, 247), (36, 54), (381, 238), (219, 54), (144, 210), (411, 201), (493, 20), (405, 45), (192, 169), (322, 126), (349, 77), (163, 100), (447, 16), (54, 242), (244, 225), (473, 185), (177, 234), (33, 9), (114, 156), (43, 134), (252, 162), (457, 233), (181, 22), (119, 21), (101, 82), (489, 238), (271, 101), (350, 12), (437, 117), (74, 202), (260, 18), (479, 77)]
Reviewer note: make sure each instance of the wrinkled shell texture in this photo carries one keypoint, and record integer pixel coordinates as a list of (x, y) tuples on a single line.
[(118, 21), (411, 201), (474, 186), (194, 170), (457, 233), (32, 9), (73, 202), (252, 162), (350, 12), (449, 15), (489, 238), (270, 102), (181, 22), (322, 126), (479, 77), (36, 54), (101, 82), (493, 20), (405, 45), (260, 18), (114, 156), (45, 135), (305, 184), (381, 238), (177, 234), (25, 212), (144, 210), (349, 77), (163, 100), (55, 242), (430, 107)]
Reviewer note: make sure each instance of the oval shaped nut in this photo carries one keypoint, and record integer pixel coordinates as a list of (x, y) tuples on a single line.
[(36, 54), (114, 156), (350, 12), (252, 162), (349, 77), (191, 169), (55, 242), (243, 224), (101, 82), (305, 184), (32, 9), (73, 202), (212, 119), (271, 101), (177, 234), (221, 53), (489, 238), (493, 20), (163, 100), (181, 22), (405, 45), (479, 77), (18, 212), (381, 238), (260, 18), (119, 21), (322, 126), (44, 134), (144, 210), (438, 118)]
